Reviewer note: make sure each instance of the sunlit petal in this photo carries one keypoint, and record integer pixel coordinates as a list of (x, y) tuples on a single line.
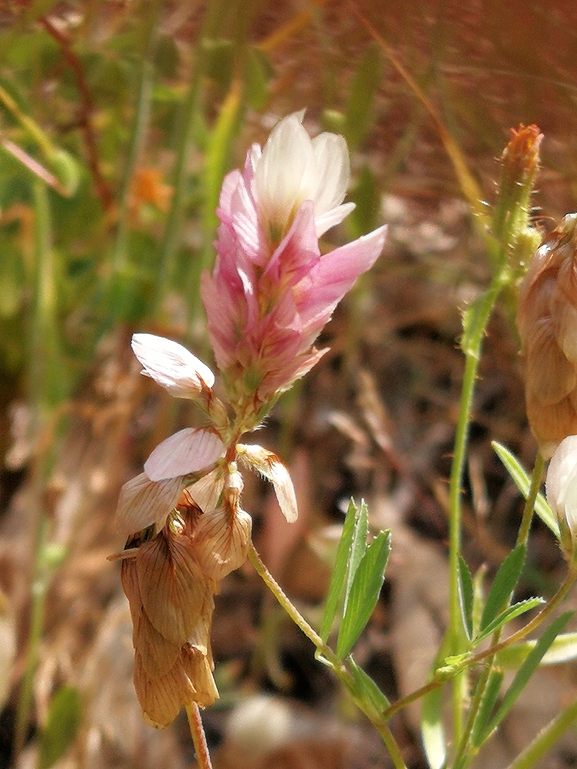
[(185, 452)]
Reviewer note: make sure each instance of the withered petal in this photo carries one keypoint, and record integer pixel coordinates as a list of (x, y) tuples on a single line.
[(157, 653), (129, 580), (171, 585), (550, 377), (198, 669), (161, 697), (221, 541), (143, 502)]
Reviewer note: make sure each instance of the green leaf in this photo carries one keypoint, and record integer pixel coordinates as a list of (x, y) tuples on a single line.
[(367, 690), (366, 197), (218, 60), (339, 575), (507, 615), (358, 548), (466, 594), (364, 592), (563, 649), (166, 56), (432, 731), (504, 584), (362, 90), (257, 74), (64, 716), (526, 671), (494, 683), (522, 480)]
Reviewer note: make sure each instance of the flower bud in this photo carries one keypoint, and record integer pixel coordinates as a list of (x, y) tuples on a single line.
[(547, 323)]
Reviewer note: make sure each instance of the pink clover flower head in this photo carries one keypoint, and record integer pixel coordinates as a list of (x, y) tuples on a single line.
[(172, 365), (272, 291)]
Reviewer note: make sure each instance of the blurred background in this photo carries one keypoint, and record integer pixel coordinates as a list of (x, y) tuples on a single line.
[(118, 121)]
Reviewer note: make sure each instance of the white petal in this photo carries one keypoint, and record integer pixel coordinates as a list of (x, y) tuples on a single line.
[(562, 481), (332, 171), (269, 465), (562, 465), (331, 218), (185, 452), (171, 365), (286, 158), (206, 492), (142, 503)]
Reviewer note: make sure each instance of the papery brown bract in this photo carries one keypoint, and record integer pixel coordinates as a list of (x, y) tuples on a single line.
[(221, 541), (171, 604), (547, 323)]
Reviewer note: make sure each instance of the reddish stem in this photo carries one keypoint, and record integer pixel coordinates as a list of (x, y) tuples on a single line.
[(85, 112)]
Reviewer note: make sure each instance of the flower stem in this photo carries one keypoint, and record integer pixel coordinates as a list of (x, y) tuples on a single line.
[(530, 501), (472, 341), (198, 736), (338, 666)]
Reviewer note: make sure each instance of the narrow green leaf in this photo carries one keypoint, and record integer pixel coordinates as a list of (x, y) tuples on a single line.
[(358, 548), (257, 74), (510, 613), (466, 594), (367, 690), (364, 592), (64, 716), (490, 695), (504, 584), (432, 731), (362, 90), (563, 649), (339, 575), (522, 481), (526, 671), (478, 598)]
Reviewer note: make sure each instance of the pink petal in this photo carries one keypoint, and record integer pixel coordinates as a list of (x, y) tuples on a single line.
[(324, 287), (142, 503), (185, 452)]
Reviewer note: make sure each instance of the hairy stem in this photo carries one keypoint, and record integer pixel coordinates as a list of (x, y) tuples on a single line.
[(198, 736)]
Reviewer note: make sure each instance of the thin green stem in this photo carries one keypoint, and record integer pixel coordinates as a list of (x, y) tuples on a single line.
[(338, 666), (529, 508), (546, 739), (472, 342), (292, 611), (198, 736), (474, 659), (39, 587), (464, 755)]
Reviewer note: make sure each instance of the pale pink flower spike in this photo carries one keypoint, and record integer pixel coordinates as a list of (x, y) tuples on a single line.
[(271, 290), (268, 298)]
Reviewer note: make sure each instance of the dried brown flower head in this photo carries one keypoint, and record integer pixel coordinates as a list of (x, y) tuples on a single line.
[(547, 323), (171, 603)]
